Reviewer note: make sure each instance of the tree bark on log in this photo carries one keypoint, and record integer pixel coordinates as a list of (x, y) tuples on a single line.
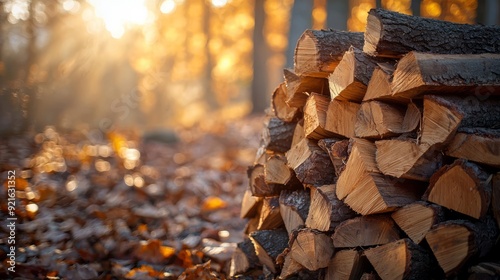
[(337, 150), (268, 245), (318, 52), (277, 135), (365, 231), (392, 34), (462, 186), (294, 208), (244, 258), (478, 145), (424, 73), (495, 198), (400, 259)]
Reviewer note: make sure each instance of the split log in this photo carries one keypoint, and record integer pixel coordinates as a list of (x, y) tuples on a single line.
[(277, 135), (495, 198), (258, 185), (252, 224), (462, 186), (315, 117), (318, 52), (290, 266), (311, 164), (454, 242), (350, 79), (376, 119), (365, 231), (424, 73), (478, 145), (418, 218), (345, 265), (244, 258), (367, 191), (250, 205), (299, 87), (400, 259), (404, 158), (341, 118), (276, 171), (281, 109), (440, 120), (379, 86), (312, 249), (337, 150), (294, 208), (268, 245), (298, 133), (393, 34), (269, 216), (327, 211)]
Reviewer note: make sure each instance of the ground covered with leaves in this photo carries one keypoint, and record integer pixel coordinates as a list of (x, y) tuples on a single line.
[(159, 206)]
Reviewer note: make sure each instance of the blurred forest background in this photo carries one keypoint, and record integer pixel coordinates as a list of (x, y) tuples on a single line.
[(104, 64)]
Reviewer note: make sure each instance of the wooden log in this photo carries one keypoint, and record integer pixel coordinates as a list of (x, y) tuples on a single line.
[(311, 164), (365, 231), (250, 205), (495, 198), (251, 226), (277, 135), (350, 79), (298, 88), (404, 158), (401, 259), (318, 52), (315, 117), (298, 133), (345, 265), (269, 216), (424, 73), (478, 145), (258, 185), (290, 266), (337, 150), (312, 249), (367, 191), (276, 171), (281, 109), (341, 118), (418, 218), (376, 119), (462, 186), (440, 121), (392, 34), (454, 242), (268, 245), (244, 258), (294, 208), (379, 86), (327, 211)]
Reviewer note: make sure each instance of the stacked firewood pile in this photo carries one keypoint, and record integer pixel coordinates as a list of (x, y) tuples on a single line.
[(381, 157)]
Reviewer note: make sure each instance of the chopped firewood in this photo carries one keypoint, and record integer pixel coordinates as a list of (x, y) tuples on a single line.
[(365, 231), (345, 265), (341, 117), (278, 172), (478, 145), (294, 208), (393, 34), (315, 117), (244, 258), (417, 219), (377, 119), (369, 276), (337, 150), (298, 133), (422, 73), (269, 216), (350, 79), (400, 259), (252, 225), (367, 191), (312, 249), (311, 164), (281, 109), (379, 86), (454, 242), (257, 181), (495, 198), (277, 135), (299, 87), (404, 158), (318, 52), (327, 211), (462, 186), (268, 245), (290, 266), (440, 120), (250, 205)]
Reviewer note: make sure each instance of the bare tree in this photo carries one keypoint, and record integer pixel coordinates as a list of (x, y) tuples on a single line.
[(261, 52)]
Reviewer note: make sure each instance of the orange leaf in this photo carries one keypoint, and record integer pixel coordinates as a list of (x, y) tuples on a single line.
[(213, 203)]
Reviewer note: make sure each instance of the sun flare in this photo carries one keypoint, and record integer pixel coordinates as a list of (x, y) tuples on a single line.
[(119, 15)]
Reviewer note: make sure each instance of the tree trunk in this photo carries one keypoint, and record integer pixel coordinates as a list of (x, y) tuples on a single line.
[(261, 52), (300, 20)]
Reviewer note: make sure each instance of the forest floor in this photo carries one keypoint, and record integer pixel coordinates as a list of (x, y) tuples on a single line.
[(162, 206)]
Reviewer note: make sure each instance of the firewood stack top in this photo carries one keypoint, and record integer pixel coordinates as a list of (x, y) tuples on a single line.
[(381, 157)]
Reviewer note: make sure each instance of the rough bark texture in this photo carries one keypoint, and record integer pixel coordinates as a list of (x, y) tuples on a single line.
[(269, 244), (277, 136), (394, 34), (318, 52), (294, 208), (478, 145)]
